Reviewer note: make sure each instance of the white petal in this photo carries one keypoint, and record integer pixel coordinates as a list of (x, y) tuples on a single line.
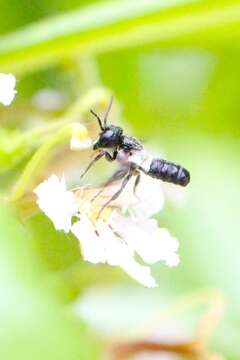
[(171, 244), (107, 247), (119, 253), (160, 246), (149, 192), (56, 202), (149, 198), (150, 195), (152, 243), (7, 91), (76, 143), (172, 259), (92, 245), (139, 272)]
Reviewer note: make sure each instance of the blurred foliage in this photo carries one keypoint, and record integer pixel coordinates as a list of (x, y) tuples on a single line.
[(173, 67), (30, 312)]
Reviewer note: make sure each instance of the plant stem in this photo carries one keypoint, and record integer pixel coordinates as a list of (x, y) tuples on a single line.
[(40, 155)]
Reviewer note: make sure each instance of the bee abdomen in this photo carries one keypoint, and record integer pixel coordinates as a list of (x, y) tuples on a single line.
[(167, 171)]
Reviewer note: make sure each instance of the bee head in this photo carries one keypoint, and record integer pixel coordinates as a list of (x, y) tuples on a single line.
[(109, 136)]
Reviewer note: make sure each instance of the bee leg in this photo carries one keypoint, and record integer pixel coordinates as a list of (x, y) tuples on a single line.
[(110, 157), (98, 157), (114, 231), (116, 195), (137, 181), (118, 175)]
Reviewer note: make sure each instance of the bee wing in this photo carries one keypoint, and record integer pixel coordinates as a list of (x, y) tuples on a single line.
[(86, 196)]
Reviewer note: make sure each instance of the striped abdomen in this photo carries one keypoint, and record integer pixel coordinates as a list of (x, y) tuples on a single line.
[(167, 171)]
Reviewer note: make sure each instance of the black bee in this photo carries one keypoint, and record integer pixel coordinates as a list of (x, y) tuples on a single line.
[(113, 144)]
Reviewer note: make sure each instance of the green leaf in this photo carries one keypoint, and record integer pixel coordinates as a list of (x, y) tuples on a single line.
[(116, 25)]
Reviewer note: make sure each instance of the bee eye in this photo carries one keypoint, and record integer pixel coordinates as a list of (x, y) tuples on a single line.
[(108, 134)]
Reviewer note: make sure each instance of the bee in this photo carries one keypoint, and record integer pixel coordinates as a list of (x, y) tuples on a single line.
[(128, 151)]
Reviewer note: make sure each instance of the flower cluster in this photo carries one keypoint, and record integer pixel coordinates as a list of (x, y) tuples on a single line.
[(126, 228)]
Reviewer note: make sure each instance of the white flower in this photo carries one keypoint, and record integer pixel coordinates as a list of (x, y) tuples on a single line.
[(56, 202), (105, 247), (7, 91), (116, 238)]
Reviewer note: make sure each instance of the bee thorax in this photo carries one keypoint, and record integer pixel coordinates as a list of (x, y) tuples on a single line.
[(122, 157)]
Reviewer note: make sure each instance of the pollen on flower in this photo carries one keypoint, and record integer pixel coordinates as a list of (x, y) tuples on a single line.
[(7, 88), (125, 228)]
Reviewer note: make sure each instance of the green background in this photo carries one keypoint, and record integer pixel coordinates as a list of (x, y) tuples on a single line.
[(173, 68)]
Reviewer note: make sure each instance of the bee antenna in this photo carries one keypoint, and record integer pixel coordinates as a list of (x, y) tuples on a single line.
[(98, 119), (107, 112)]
